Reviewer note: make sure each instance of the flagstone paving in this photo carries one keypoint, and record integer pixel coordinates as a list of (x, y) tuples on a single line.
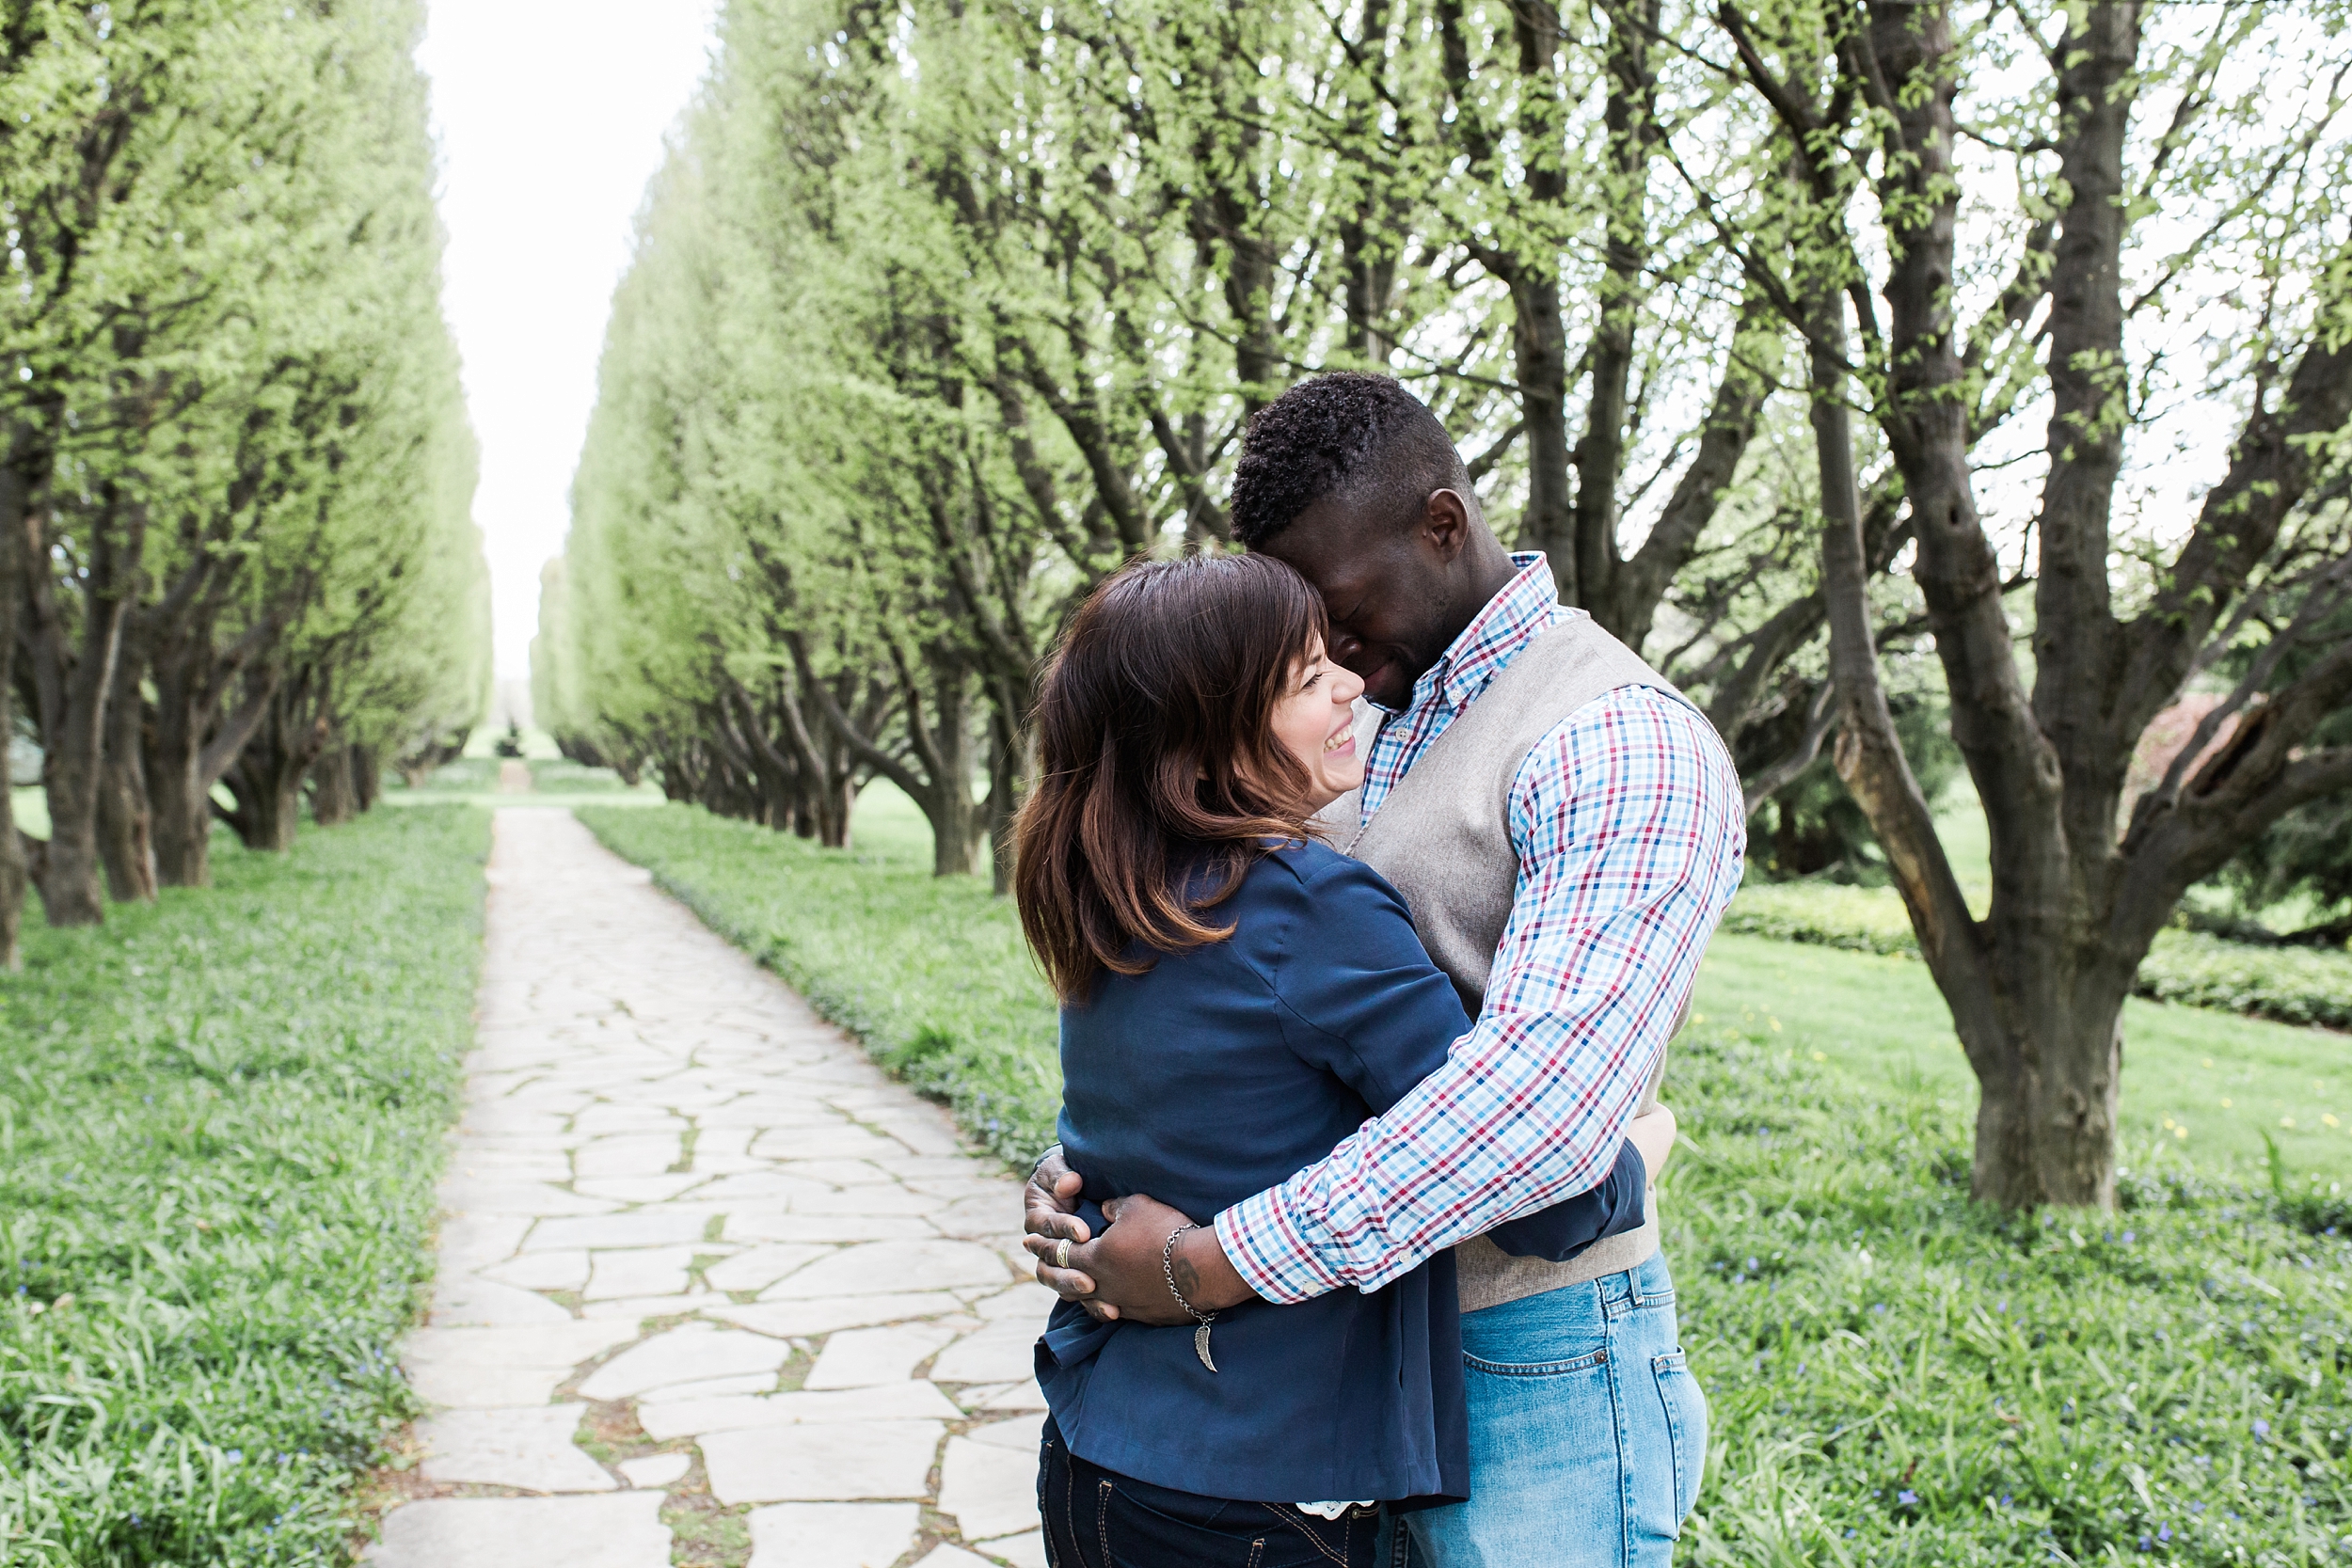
[(707, 1275)]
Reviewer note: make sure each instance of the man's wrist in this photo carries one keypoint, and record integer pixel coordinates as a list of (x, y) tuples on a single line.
[(1266, 1250), (1053, 1151), (1207, 1277)]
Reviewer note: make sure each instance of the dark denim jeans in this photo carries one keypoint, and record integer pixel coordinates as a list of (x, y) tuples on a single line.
[(1095, 1518)]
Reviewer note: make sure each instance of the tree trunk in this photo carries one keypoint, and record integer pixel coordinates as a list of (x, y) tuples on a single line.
[(1598, 459), (2046, 1121), (1009, 758), (269, 810), (74, 687), (334, 799), (1541, 365), (15, 495), (367, 777), (940, 744), (181, 805), (266, 777), (125, 820), (193, 743), (955, 816)]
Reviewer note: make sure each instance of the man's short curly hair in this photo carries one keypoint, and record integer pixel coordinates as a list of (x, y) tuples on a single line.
[(1361, 437)]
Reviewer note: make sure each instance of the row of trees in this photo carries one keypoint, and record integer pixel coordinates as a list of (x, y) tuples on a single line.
[(1857, 360), (235, 473)]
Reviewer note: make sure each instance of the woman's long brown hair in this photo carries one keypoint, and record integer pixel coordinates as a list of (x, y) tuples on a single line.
[(1159, 777)]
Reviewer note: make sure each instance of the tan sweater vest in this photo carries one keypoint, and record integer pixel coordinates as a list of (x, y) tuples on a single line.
[(1442, 837)]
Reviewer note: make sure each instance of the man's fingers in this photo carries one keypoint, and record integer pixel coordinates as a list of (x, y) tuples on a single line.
[(1046, 1224), (1053, 1186), (1068, 1284)]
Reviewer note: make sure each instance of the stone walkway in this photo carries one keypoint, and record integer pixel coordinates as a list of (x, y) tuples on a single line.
[(698, 1253)]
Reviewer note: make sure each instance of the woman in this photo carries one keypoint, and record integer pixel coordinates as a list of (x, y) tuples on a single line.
[(1237, 998)]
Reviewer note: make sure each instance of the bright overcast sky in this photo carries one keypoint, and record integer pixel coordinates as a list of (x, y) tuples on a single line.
[(550, 116)]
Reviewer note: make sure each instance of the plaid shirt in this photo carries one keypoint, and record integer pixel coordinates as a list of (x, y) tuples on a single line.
[(1630, 830)]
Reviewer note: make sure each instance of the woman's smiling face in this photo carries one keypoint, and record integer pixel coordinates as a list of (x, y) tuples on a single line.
[(1315, 720)]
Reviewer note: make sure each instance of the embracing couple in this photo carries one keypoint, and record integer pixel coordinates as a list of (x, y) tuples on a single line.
[(1373, 883)]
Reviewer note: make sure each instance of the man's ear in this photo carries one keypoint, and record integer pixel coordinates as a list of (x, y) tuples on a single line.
[(1446, 524)]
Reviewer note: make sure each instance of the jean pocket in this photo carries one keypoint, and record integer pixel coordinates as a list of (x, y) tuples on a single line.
[(1686, 1426), (1584, 1363)]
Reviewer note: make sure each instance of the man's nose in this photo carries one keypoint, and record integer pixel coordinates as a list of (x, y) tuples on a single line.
[(1344, 646)]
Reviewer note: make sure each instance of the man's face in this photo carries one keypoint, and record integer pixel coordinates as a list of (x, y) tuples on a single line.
[(1387, 585)]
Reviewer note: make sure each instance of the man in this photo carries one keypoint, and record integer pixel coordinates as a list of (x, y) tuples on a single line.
[(1567, 831)]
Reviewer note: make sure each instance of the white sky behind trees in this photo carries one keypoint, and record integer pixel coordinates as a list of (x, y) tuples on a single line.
[(550, 116)]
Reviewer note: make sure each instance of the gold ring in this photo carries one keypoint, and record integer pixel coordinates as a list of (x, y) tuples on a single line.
[(1061, 1254)]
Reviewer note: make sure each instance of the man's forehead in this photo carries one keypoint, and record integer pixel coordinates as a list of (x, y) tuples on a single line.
[(1328, 544), (1335, 571)]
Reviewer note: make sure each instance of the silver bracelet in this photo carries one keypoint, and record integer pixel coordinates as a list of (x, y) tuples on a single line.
[(1167, 1267)]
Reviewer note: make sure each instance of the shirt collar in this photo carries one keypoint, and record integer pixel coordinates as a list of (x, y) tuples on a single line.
[(1525, 606)]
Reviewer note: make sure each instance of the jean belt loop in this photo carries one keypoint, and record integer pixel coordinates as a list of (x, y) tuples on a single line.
[(1633, 1286)]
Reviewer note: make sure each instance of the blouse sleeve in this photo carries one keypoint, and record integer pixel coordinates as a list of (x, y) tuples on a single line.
[(1361, 997)]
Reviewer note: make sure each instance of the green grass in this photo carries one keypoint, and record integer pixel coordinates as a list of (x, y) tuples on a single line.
[(930, 972), (220, 1122), (1900, 1377), (2211, 1083), (474, 781), (1897, 1376), (2290, 985), (467, 775), (566, 777)]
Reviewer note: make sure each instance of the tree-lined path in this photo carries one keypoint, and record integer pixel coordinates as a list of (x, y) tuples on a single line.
[(699, 1253)]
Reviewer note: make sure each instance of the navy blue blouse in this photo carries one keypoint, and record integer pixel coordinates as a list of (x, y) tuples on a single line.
[(1225, 1070)]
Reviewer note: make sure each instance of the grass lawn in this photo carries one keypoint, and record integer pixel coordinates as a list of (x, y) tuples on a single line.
[(1896, 1376), (220, 1122), (473, 780), (2207, 1086)]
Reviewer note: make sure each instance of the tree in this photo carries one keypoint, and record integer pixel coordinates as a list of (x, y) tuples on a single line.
[(2228, 127), (231, 379)]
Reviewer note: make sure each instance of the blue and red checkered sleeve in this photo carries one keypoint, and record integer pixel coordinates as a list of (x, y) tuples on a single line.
[(1630, 831)]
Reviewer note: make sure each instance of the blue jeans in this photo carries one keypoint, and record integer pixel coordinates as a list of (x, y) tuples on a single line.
[(1587, 1433)]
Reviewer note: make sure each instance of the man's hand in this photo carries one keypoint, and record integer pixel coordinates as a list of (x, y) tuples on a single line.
[(1119, 1276), (1050, 1210)]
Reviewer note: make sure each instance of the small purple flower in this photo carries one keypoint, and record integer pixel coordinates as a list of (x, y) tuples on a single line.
[(2262, 1428), (2164, 1532), (2128, 1239), (2196, 1508), (1904, 1500)]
